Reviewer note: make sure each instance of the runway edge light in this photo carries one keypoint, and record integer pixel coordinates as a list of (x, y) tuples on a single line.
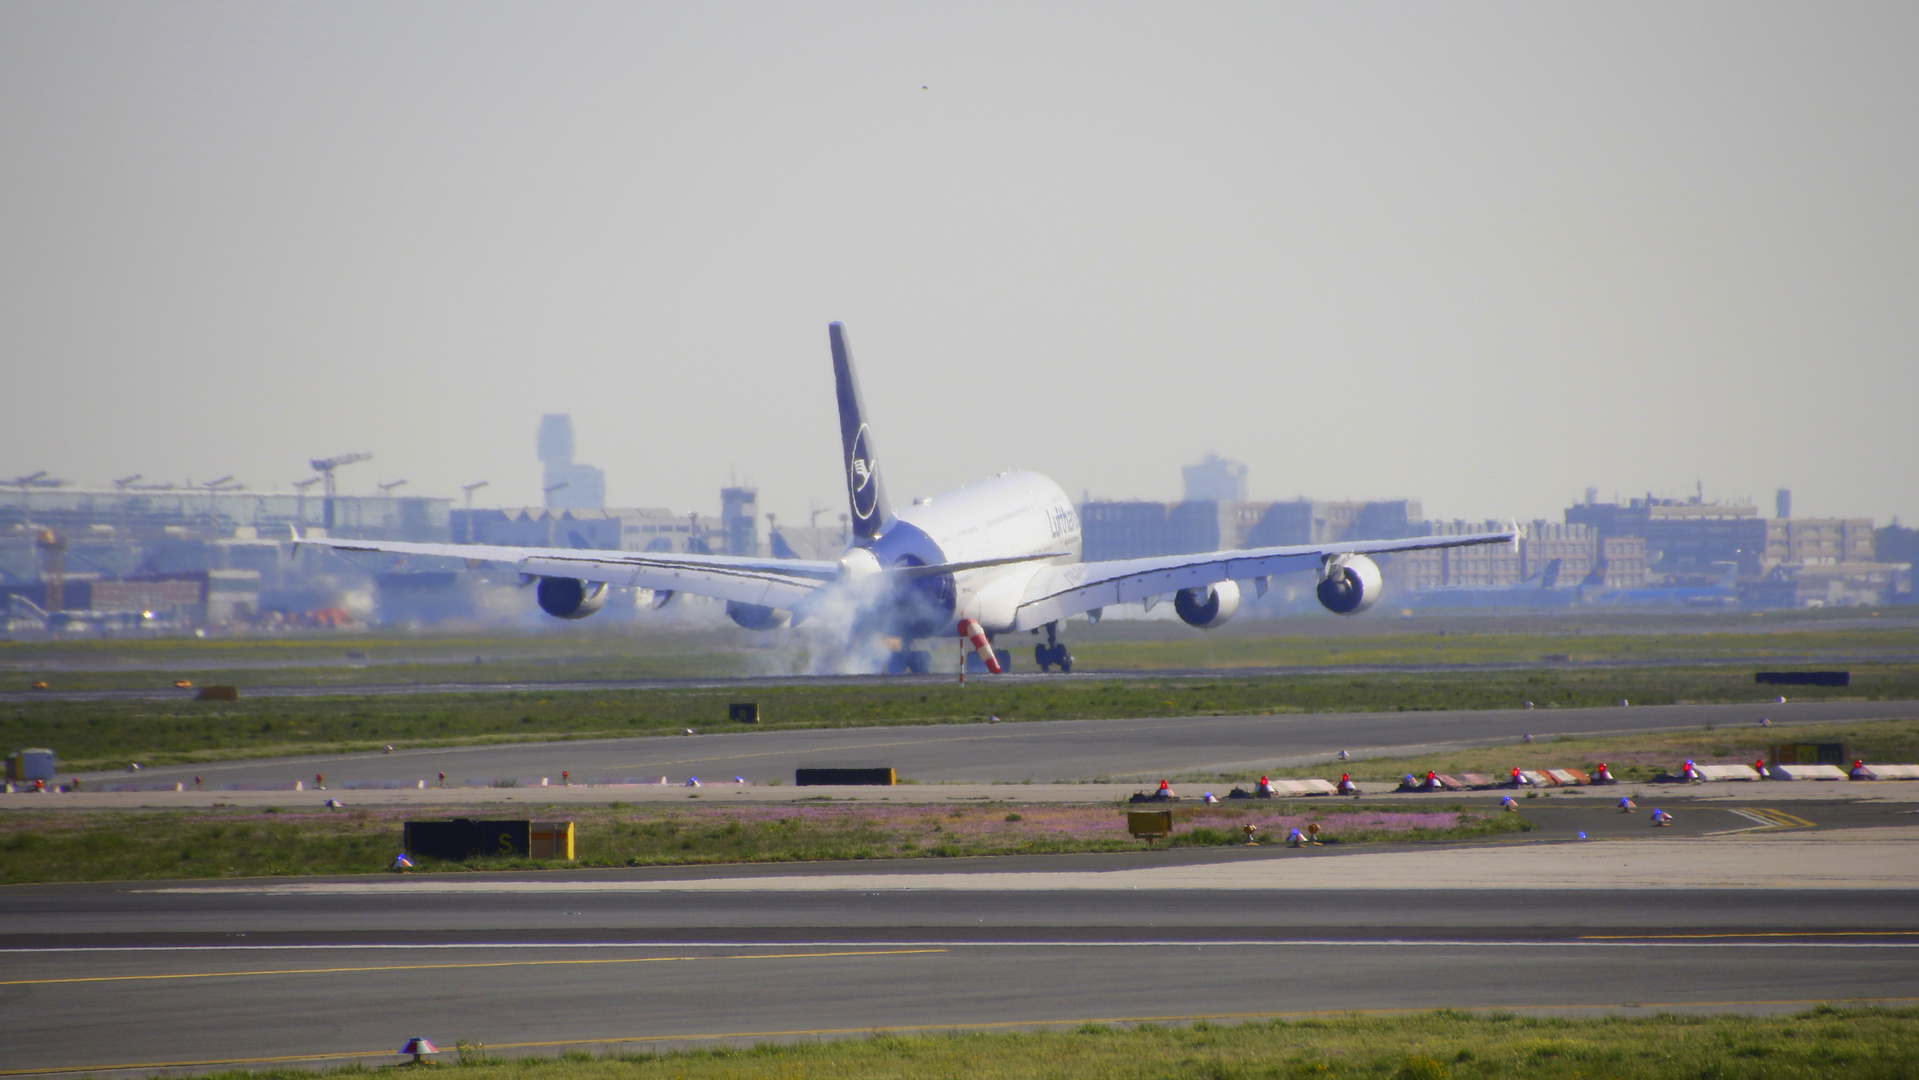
[(419, 1046)]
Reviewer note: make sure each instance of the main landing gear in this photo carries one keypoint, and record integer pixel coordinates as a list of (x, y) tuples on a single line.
[(909, 662), (1053, 652)]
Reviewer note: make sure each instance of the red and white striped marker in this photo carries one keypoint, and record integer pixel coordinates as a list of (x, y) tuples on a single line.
[(975, 636)]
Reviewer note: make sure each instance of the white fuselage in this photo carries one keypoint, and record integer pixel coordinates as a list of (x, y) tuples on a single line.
[(1011, 515)]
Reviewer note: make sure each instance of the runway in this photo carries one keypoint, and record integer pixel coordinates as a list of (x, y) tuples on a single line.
[(97, 977), (210, 974), (1037, 752)]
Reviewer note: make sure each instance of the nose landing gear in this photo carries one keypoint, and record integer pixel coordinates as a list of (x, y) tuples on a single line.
[(1054, 652)]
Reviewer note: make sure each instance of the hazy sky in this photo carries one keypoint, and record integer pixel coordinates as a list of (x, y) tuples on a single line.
[(1480, 254)]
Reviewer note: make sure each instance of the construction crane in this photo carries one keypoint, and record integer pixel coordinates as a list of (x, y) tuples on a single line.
[(214, 488), (325, 467)]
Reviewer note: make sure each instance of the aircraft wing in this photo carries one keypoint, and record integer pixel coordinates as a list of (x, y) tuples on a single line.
[(779, 583), (1073, 588)]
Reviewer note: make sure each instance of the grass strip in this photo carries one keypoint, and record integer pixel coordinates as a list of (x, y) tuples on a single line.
[(629, 653), (108, 734), (43, 846), (1857, 1043)]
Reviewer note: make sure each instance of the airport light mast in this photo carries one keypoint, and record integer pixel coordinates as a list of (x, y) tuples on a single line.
[(301, 486), (547, 494), (469, 489), (214, 487), (25, 484), (122, 485)]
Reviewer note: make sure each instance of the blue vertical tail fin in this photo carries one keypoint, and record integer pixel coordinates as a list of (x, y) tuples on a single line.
[(865, 493)]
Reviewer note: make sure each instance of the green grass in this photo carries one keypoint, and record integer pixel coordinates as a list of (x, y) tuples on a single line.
[(1856, 1043), (1491, 644), (383, 658), (108, 734), (627, 652), (50, 846)]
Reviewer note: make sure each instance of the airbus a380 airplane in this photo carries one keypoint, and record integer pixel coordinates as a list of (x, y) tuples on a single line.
[(992, 558)]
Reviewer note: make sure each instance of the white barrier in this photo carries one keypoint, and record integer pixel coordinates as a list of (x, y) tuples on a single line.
[(1891, 772), (1809, 772), (1726, 772)]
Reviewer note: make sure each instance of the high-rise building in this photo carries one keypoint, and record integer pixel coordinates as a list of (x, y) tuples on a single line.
[(1215, 480), (568, 486)]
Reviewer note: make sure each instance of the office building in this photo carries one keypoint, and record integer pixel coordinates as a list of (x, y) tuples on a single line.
[(567, 484), (1214, 480)]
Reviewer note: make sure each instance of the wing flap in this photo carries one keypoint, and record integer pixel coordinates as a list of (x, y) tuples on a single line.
[(746, 585), (767, 582)]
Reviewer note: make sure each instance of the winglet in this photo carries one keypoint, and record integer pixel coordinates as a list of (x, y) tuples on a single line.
[(865, 493)]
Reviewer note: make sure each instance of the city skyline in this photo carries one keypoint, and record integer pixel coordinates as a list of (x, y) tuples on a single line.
[(1425, 252)]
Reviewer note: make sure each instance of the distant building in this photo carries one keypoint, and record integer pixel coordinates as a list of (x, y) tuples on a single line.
[(1782, 561), (1683, 536), (619, 529), (1896, 543), (1139, 529), (1315, 521), (568, 485), (1215, 480), (175, 512), (1550, 555)]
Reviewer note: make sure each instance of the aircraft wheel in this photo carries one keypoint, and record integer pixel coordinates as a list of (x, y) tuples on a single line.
[(897, 663), (1005, 659), (919, 661), (1043, 656), (1065, 660)]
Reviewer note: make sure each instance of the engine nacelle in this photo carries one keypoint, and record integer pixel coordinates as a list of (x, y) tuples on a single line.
[(755, 617), (1207, 607), (570, 598), (1351, 586)]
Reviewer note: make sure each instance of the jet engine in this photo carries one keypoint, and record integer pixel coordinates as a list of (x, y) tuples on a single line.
[(570, 598), (1351, 584), (755, 617), (1207, 607)]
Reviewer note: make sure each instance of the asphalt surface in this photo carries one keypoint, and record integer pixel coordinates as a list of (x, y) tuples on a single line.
[(204, 975), (98, 977), (1058, 750)]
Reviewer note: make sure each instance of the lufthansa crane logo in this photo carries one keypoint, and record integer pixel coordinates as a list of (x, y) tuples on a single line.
[(863, 477)]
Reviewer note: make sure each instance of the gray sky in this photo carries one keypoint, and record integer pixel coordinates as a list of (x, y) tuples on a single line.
[(1480, 254)]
